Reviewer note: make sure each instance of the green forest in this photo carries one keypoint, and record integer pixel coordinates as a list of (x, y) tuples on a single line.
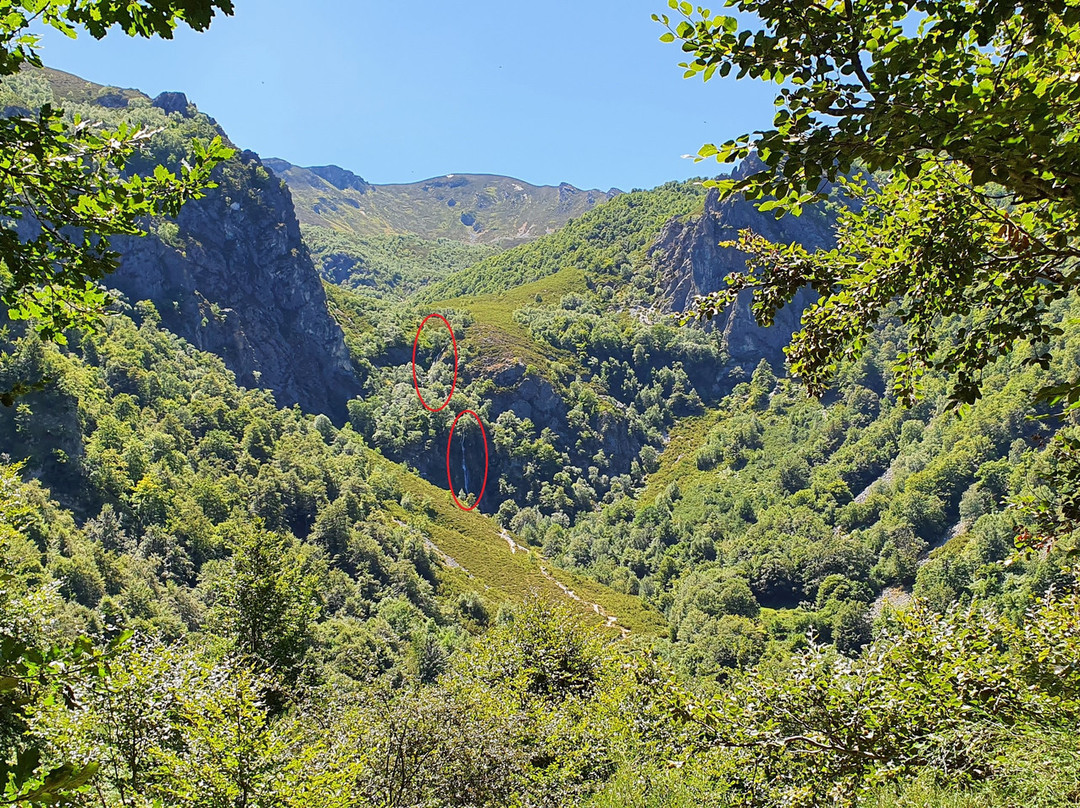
[(809, 540)]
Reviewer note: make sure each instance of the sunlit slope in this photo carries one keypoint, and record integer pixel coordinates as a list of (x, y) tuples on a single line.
[(499, 339), (607, 246), (603, 240), (604, 252), (679, 464), (472, 545)]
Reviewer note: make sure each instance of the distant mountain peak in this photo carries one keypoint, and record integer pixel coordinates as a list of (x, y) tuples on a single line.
[(471, 208)]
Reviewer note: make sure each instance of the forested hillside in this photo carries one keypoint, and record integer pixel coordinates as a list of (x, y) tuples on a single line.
[(232, 573), (273, 568), (643, 454), (388, 267)]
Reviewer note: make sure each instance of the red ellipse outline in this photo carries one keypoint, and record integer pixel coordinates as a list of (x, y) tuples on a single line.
[(416, 384), (449, 482)]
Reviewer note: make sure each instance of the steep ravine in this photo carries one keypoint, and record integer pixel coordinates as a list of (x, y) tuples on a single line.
[(685, 258)]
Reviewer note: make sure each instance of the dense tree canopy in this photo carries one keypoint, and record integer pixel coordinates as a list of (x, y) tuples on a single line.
[(63, 191)]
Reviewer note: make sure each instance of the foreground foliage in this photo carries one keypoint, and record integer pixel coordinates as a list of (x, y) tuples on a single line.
[(969, 111), (963, 696)]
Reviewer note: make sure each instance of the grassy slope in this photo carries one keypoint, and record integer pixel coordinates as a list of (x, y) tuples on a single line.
[(596, 249), (498, 338), (474, 542), (73, 88), (596, 246), (544, 271), (678, 462)]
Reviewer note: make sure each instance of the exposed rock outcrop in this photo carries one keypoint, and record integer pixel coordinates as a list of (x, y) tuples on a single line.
[(172, 103), (691, 262), (237, 280), (340, 178)]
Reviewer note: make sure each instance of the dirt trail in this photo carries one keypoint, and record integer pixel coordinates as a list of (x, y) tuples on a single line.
[(610, 620), (447, 559), (510, 540)]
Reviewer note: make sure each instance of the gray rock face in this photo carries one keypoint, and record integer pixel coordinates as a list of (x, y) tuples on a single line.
[(691, 262), (340, 178), (173, 102), (112, 100), (536, 399), (238, 281)]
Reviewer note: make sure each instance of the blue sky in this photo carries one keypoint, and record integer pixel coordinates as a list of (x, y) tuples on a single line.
[(546, 92)]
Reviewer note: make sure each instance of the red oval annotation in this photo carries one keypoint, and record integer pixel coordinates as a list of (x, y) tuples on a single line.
[(449, 482), (453, 384)]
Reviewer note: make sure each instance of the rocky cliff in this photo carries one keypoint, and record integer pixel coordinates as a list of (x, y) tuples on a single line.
[(690, 262), (232, 276)]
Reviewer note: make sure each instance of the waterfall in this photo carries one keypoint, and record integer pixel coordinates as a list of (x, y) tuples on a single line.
[(464, 468)]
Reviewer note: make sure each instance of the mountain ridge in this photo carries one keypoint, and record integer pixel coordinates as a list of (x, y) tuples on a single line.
[(475, 208)]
